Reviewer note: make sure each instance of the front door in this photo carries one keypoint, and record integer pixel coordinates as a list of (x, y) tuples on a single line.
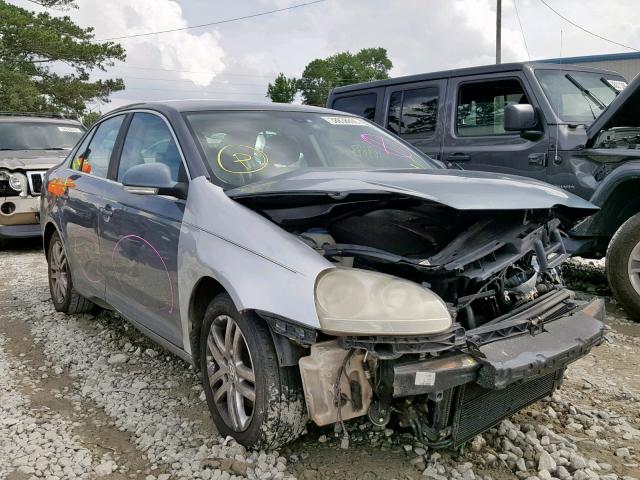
[(80, 191), (476, 138), (141, 233), (416, 114)]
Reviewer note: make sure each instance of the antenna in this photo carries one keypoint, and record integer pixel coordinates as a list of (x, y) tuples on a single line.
[(556, 159)]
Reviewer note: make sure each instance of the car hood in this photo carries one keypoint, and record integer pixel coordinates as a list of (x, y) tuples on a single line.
[(622, 112), (462, 190), (31, 159)]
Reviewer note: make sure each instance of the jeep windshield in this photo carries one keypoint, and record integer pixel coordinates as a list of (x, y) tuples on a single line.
[(243, 147), (36, 135), (579, 97)]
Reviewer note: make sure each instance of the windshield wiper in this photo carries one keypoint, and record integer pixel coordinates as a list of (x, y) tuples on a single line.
[(50, 148), (608, 84), (586, 92)]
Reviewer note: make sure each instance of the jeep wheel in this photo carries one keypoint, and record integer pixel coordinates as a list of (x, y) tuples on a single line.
[(250, 397), (64, 296), (623, 266)]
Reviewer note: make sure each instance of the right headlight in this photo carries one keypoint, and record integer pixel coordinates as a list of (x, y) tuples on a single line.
[(350, 301)]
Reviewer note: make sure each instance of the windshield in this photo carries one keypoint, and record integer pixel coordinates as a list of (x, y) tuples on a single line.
[(38, 135), (247, 146), (579, 97)]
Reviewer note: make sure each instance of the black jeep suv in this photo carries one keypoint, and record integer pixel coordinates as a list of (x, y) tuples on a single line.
[(574, 127)]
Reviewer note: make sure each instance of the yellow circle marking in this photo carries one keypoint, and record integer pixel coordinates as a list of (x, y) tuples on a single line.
[(243, 160)]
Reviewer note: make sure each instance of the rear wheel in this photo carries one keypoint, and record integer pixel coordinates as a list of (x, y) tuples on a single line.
[(64, 296), (623, 266), (250, 397)]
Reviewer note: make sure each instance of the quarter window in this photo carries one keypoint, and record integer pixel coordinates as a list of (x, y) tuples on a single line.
[(149, 140), (363, 105), (413, 113), (94, 158), (481, 106)]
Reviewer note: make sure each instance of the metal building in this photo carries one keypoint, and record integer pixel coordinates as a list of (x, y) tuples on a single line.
[(626, 64)]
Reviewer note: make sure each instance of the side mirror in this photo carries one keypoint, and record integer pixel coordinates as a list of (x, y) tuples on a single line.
[(522, 118), (153, 179)]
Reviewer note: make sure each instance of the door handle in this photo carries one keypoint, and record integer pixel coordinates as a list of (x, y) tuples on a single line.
[(106, 211), (458, 157)]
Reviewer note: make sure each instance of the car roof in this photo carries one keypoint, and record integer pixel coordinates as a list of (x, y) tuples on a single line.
[(199, 105), (463, 72)]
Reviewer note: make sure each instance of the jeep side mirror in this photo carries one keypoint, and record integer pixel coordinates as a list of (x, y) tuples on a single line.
[(522, 118), (153, 179)]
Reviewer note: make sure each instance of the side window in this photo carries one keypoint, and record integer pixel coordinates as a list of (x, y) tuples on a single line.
[(94, 157), (149, 140), (480, 109), (413, 113), (363, 105)]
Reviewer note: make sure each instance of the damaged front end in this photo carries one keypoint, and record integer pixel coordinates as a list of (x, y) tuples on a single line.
[(450, 319)]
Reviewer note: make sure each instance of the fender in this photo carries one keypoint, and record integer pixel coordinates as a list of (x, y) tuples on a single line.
[(616, 206), (626, 171)]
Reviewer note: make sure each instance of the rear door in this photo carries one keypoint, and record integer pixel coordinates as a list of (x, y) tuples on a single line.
[(475, 138), (81, 189), (141, 232), (417, 114)]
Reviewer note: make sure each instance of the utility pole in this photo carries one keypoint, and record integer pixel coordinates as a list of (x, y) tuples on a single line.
[(498, 32)]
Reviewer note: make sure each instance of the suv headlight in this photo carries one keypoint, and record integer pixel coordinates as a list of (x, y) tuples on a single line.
[(350, 301), (18, 182)]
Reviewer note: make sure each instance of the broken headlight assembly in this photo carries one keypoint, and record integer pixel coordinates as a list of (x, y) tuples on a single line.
[(351, 301)]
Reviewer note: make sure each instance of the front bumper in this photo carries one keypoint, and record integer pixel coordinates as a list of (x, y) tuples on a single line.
[(497, 364), (24, 219), (477, 388)]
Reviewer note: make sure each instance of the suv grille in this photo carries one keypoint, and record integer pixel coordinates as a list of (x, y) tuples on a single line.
[(35, 182)]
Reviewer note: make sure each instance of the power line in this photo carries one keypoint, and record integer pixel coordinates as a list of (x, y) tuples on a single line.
[(218, 22), (585, 30), (515, 4)]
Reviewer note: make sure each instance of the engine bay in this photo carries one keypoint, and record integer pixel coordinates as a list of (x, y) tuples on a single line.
[(483, 264)]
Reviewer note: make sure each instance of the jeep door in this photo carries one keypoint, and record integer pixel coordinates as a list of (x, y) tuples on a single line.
[(80, 191), (475, 138), (416, 113), (141, 232)]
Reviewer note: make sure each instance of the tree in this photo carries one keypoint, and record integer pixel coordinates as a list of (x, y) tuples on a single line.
[(90, 118), (31, 44), (283, 89), (323, 74)]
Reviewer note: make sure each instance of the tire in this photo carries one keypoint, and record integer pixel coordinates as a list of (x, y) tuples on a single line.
[(623, 266), (63, 295), (277, 414)]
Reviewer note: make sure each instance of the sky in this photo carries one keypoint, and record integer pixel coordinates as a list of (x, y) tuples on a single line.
[(236, 61)]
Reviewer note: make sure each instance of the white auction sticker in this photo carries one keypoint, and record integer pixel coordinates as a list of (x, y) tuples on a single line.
[(425, 378), (70, 129), (345, 121)]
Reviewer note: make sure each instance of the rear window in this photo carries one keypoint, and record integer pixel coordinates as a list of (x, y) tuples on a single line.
[(413, 113), (363, 105)]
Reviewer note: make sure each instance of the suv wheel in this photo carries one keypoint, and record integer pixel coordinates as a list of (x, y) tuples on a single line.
[(250, 397), (64, 296), (623, 266)]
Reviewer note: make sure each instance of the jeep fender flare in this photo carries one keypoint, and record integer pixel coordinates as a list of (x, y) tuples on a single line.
[(614, 202)]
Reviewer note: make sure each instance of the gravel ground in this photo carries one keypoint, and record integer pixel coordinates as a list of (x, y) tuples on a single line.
[(89, 397)]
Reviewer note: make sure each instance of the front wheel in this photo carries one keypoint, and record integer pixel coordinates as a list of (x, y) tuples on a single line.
[(623, 266), (250, 397)]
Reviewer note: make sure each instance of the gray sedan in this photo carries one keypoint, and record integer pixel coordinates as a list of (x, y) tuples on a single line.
[(312, 265)]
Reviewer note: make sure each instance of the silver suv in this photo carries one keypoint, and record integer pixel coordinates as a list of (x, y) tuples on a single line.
[(30, 144), (312, 265)]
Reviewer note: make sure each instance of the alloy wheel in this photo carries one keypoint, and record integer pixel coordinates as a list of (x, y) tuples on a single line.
[(230, 372), (59, 272), (633, 268)]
